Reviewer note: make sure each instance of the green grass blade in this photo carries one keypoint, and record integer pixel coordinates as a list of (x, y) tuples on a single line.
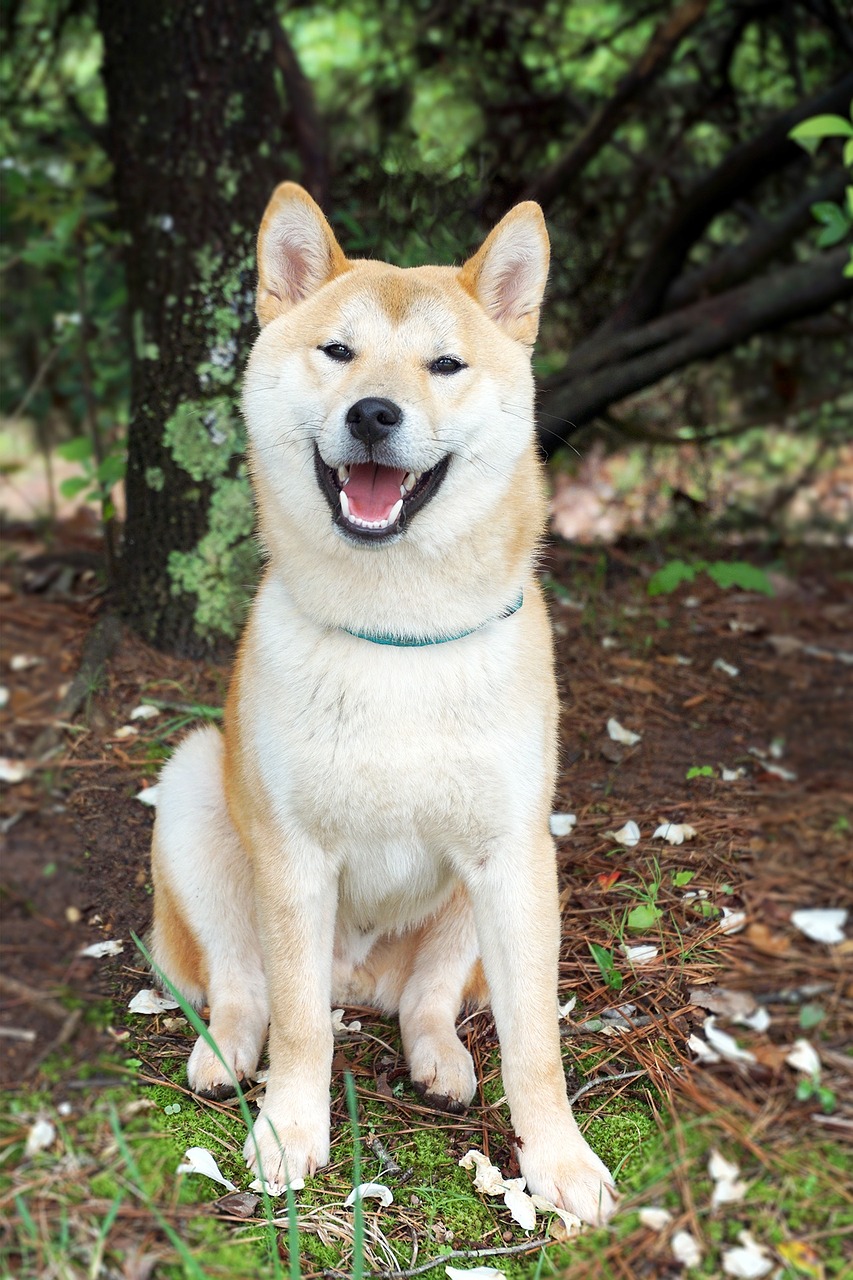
[(358, 1207)]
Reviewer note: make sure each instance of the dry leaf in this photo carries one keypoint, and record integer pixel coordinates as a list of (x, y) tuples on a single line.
[(767, 942), (148, 1001), (237, 1204), (802, 1257), (488, 1179)]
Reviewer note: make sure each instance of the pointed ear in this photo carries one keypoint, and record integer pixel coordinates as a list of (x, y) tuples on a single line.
[(508, 272), (297, 251)]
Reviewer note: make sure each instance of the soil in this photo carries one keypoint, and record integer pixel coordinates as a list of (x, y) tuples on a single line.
[(75, 866)]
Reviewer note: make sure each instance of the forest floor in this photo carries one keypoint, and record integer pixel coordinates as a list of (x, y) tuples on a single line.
[(759, 686)]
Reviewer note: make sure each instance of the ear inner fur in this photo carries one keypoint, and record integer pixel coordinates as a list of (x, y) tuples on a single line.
[(508, 272), (297, 251)]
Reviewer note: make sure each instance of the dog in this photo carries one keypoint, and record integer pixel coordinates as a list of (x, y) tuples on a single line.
[(373, 826)]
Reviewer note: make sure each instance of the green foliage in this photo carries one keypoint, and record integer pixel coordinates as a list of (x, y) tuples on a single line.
[(836, 220), (700, 771), (724, 573), (97, 479), (604, 959)]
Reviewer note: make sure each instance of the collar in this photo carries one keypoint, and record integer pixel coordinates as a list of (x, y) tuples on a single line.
[(418, 642)]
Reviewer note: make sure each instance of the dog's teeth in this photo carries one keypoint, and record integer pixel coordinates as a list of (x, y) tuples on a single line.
[(409, 482), (395, 511), (345, 505), (343, 475)]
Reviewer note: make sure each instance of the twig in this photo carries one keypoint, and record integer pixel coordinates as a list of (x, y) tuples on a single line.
[(599, 1080), (66, 1033), (527, 1247), (20, 990)]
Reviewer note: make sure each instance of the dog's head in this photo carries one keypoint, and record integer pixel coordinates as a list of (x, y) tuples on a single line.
[(404, 394)]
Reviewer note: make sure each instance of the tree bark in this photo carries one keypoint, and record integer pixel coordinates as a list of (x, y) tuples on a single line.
[(196, 141)]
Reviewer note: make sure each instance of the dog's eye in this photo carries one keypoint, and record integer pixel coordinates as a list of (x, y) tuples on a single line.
[(447, 364), (337, 351)]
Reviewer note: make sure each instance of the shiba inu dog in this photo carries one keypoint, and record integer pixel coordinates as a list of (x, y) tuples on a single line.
[(373, 825)]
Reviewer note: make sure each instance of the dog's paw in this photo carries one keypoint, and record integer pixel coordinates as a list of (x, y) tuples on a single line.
[(442, 1073), (570, 1175), (280, 1151), (208, 1077)]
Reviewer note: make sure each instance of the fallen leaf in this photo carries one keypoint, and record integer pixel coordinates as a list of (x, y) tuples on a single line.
[(144, 712), (12, 771), (369, 1191), (821, 924), (148, 795), (638, 956), (802, 1257), (148, 1001), (618, 734), (41, 1136), (702, 1050), (728, 1187), (237, 1204), (767, 942), (473, 1273), (803, 1057), (724, 1044), (562, 824), (607, 879), (200, 1160), (733, 921), (674, 832), (749, 1261), (638, 684), (629, 835), (519, 1203), (571, 1224), (487, 1177), (685, 1249), (655, 1219), (339, 1027), (98, 949)]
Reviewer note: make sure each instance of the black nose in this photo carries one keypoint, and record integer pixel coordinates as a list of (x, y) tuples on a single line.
[(371, 420)]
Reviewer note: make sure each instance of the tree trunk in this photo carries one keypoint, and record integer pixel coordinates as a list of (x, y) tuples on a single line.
[(196, 140)]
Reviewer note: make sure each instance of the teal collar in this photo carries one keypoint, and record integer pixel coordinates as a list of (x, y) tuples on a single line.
[(418, 642)]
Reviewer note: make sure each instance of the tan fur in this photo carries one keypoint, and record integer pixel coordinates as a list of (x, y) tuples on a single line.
[(373, 826)]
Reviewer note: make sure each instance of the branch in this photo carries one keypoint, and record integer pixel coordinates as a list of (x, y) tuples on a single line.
[(743, 169), (308, 131), (738, 262), (630, 361), (606, 120)]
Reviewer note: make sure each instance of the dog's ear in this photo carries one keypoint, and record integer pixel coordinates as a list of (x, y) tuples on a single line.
[(507, 274), (297, 251)]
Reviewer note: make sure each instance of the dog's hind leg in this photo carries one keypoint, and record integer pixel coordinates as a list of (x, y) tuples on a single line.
[(444, 972), (205, 936)]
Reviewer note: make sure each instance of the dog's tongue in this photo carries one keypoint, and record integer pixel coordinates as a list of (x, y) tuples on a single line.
[(373, 490)]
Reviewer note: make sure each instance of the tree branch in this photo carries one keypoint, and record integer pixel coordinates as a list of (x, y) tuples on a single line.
[(308, 131), (606, 120), (630, 361), (743, 169)]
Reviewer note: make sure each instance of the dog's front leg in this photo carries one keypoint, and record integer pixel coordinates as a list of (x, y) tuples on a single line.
[(514, 895), (296, 890)]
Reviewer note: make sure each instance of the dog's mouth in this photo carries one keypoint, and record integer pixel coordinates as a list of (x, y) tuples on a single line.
[(373, 502)]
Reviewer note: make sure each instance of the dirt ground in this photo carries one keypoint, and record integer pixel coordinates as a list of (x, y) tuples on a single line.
[(776, 839)]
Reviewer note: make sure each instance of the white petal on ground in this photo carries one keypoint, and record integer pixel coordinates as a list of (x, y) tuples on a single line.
[(758, 1021), (4, 696), (111, 948), (487, 1178), (473, 1273), (369, 1191), (655, 1219), (732, 775), (725, 1045), (803, 1057), (685, 1249), (565, 1009), (573, 1225), (40, 1137), (520, 1204), (720, 664), (148, 1001), (144, 712), (821, 924), (638, 956), (200, 1160), (733, 921), (728, 1188), (702, 1050), (126, 731), (776, 769), (12, 771), (674, 832), (562, 824), (23, 661), (148, 795), (749, 1261), (341, 1028), (629, 835), (619, 734)]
